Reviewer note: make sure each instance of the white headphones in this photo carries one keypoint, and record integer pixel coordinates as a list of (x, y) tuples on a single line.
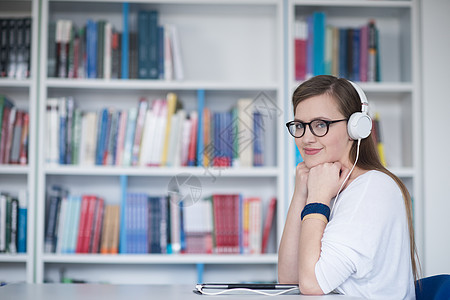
[(359, 125)]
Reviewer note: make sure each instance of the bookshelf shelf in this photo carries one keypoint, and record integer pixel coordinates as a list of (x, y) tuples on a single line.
[(16, 258), (132, 84), (12, 169), (358, 3), (15, 83), (161, 171), (162, 259)]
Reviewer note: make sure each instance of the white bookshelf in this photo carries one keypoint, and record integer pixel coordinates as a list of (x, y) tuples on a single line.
[(230, 50), (15, 178), (396, 98)]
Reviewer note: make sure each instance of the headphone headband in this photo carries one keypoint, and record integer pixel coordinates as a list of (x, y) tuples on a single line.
[(362, 97)]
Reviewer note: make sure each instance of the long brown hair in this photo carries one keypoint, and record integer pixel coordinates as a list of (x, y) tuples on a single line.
[(349, 102)]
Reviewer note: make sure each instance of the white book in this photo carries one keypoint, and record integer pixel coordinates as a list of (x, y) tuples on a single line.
[(149, 134), (161, 122), (173, 139), (255, 226), (168, 58), (88, 146), (3, 200), (197, 218), (179, 138), (62, 220), (107, 64), (145, 146), (129, 137), (185, 139), (245, 132), (176, 54)]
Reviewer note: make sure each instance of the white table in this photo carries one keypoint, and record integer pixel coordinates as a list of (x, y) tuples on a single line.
[(126, 292)]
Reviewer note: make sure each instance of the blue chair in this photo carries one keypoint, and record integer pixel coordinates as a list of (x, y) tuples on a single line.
[(433, 288)]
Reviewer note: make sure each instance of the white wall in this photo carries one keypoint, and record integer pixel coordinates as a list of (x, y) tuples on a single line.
[(436, 143)]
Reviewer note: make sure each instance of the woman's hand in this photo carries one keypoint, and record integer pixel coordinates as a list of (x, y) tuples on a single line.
[(324, 181), (301, 183)]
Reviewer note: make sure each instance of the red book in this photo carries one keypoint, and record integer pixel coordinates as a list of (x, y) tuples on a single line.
[(82, 226), (268, 224), (23, 152), (86, 237), (193, 142), (300, 45), (97, 226), (9, 135)]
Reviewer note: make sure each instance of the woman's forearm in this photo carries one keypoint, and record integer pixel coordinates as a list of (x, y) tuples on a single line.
[(288, 252), (309, 253)]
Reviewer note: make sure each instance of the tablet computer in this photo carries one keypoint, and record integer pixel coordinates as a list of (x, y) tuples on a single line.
[(258, 288)]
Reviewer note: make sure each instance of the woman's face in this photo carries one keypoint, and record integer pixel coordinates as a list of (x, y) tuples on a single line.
[(335, 145)]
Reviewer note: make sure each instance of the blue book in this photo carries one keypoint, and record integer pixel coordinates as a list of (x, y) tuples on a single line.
[(22, 223), (101, 136), (62, 110), (74, 219), (91, 48), (161, 51), (200, 134), (129, 137), (125, 41), (319, 22), (153, 56), (343, 52), (258, 142), (356, 54), (123, 215), (143, 42)]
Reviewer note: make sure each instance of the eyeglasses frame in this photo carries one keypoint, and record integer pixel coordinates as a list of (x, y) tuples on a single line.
[(327, 122)]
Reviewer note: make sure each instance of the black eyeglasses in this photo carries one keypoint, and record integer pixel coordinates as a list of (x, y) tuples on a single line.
[(318, 127)]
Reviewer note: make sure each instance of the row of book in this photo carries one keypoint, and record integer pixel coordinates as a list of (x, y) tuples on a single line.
[(344, 52), (14, 133), (15, 47), (13, 222), (158, 134), (95, 50), (157, 224)]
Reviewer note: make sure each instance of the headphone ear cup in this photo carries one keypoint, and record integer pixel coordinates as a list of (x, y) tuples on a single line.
[(359, 126)]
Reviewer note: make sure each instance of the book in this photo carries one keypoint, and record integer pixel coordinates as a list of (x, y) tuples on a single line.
[(9, 135), (171, 109), (12, 47), (94, 242), (143, 44), (153, 57), (16, 138), (4, 49), (22, 222), (300, 51), (129, 137), (140, 122), (91, 49), (53, 207), (3, 209), (13, 225), (267, 226), (23, 150)]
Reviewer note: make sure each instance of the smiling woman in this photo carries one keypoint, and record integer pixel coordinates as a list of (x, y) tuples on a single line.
[(361, 244)]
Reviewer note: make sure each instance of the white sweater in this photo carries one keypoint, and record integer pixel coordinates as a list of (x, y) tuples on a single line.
[(365, 246)]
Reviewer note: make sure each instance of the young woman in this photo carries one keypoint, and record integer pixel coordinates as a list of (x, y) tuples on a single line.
[(349, 226)]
